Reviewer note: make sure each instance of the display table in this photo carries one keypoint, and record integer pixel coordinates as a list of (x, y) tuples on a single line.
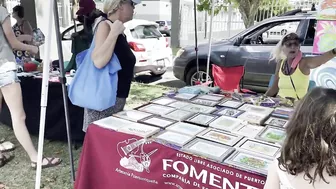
[(102, 167), (55, 118)]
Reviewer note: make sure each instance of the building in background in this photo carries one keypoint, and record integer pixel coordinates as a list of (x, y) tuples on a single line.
[(153, 10)]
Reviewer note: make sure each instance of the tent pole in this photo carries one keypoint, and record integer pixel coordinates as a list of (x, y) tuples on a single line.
[(62, 79), (44, 97), (196, 39), (210, 38)]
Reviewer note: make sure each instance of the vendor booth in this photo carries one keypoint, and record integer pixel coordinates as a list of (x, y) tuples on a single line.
[(185, 141)]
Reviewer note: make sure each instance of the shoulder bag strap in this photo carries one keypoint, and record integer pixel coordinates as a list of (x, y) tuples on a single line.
[(289, 74)]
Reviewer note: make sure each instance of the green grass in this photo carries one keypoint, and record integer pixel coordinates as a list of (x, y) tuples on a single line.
[(17, 174)]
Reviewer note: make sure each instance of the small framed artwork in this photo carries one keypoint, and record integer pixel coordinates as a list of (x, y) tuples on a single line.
[(202, 119), (212, 97), (231, 104), (272, 134), (179, 115), (208, 149), (163, 100), (283, 112), (249, 161), (196, 108), (185, 128), (259, 147), (132, 115), (252, 117), (230, 112), (173, 138), (113, 123), (226, 123), (220, 136), (204, 102), (179, 104), (248, 130), (139, 129), (256, 109), (156, 109), (185, 96), (158, 121), (276, 122)]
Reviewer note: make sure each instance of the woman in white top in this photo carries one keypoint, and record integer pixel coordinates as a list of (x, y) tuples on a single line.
[(308, 155), (10, 90)]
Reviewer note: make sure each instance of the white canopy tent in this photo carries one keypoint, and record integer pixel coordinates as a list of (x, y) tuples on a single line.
[(53, 13)]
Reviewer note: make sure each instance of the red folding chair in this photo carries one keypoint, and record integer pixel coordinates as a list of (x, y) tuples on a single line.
[(228, 78)]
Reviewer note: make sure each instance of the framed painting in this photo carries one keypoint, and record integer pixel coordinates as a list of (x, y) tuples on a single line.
[(202, 119), (185, 96), (231, 104), (253, 118), (204, 102), (212, 97), (157, 121), (230, 112), (179, 115), (156, 109), (220, 136), (259, 147), (208, 149), (248, 130), (272, 134), (249, 162), (185, 128), (132, 115), (226, 123), (276, 122), (163, 100), (196, 108), (326, 10), (173, 138)]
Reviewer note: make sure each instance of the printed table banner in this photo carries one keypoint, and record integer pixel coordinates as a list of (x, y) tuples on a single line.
[(120, 161)]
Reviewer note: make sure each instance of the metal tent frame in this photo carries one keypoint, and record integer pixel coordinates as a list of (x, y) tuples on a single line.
[(210, 40), (52, 6)]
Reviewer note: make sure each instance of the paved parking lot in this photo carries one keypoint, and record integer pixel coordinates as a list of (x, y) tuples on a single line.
[(168, 79)]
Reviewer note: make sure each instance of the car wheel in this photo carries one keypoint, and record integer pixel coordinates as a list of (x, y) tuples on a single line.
[(194, 78), (283, 32), (158, 75)]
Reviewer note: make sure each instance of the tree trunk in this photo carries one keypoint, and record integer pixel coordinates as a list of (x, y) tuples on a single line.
[(248, 9)]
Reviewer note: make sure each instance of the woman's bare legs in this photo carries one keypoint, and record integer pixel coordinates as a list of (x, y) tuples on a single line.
[(13, 97)]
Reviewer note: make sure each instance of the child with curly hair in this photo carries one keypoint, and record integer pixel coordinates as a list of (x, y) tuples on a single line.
[(308, 155)]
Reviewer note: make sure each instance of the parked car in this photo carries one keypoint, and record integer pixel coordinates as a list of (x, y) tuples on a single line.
[(149, 46), (164, 26), (248, 49)]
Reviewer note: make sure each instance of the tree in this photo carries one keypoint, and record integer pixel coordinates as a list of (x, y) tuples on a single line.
[(247, 8)]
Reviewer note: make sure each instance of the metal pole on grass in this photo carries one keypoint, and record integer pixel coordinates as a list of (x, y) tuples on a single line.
[(44, 97), (62, 79), (210, 38)]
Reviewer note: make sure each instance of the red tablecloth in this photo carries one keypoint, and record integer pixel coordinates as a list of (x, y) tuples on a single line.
[(111, 160)]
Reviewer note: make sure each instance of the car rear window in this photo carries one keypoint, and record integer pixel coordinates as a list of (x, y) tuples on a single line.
[(143, 32), (161, 23)]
